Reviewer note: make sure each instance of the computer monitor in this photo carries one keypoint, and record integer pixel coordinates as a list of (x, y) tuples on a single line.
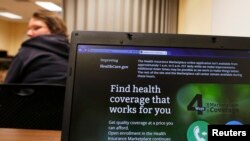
[(154, 87)]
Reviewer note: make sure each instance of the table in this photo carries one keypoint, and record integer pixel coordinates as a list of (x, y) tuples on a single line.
[(9, 134)]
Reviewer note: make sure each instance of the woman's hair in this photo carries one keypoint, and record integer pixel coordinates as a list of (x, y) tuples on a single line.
[(52, 20)]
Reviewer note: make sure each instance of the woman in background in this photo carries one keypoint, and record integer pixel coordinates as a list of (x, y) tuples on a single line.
[(43, 58)]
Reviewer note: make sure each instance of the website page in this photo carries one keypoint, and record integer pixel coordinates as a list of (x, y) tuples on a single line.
[(157, 94)]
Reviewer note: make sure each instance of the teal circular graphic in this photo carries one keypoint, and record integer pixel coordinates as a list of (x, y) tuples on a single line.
[(234, 122), (197, 131)]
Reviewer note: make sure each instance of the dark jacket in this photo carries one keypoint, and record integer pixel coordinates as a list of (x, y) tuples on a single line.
[(42, 59)]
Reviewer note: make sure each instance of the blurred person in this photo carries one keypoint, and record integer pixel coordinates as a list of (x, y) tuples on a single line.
[(43, 58)]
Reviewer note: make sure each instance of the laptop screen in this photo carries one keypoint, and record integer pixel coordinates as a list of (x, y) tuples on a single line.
[(134, 87)]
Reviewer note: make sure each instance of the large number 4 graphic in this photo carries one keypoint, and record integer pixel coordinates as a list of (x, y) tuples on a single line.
[(196, 104)]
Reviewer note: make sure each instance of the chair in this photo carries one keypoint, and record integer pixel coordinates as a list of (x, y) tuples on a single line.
[(31, 106)]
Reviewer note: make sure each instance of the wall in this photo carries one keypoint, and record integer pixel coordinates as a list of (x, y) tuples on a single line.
[(12, 34), (214, 17), (4, 35), (194, 17), (231, 17)]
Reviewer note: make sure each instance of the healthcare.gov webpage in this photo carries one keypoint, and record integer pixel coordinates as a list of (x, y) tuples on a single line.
[(160, 94)]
